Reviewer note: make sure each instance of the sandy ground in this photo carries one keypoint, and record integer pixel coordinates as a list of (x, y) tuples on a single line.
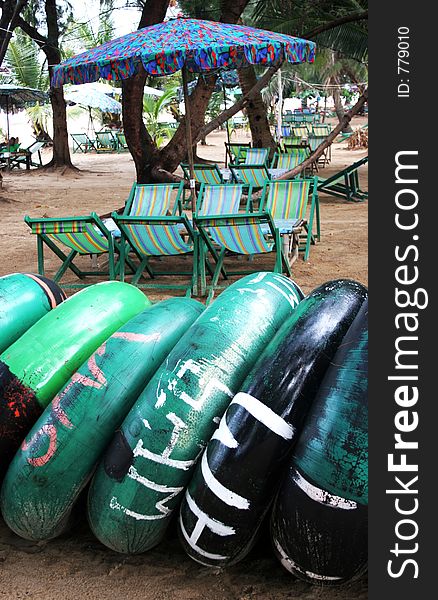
[(76, 566)]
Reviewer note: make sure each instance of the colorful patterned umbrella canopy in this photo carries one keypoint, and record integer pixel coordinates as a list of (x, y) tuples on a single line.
[(198, 45), (189, 44)]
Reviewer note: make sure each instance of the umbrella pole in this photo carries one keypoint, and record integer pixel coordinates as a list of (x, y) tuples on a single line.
[(227, 125), (189, 138), (7, 122)]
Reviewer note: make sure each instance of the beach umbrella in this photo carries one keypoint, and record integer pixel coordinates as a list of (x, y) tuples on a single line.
[(90, 97), (15, 97), (192, 45)]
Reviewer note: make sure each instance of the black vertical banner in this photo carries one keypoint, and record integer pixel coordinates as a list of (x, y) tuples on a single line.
[(403, 250)]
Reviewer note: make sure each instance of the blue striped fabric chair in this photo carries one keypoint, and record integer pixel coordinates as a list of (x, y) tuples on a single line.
[(250, 175), (287, 201), (157, 237), (204, 173), (285, 160), (154, 199), (256, 156), (236, 233), (84, 235), (235, 152)]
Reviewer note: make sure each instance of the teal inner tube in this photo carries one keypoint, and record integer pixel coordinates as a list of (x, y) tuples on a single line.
[(319, 520), (35, 367), (144, 471), (59, 454), (24, 298), (235, 481)]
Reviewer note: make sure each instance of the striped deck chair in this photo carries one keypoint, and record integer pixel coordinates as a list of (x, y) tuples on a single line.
[(285, 131), (82, 143), (256, 156), (291, 140), (204, 173), (105, 141), (235, 152), (345, 184), (154, 199), (122, 145), (300, 131), (85, 235), (314, 142), (239, 234), (250, 175), (287, 201), (286, 160), (321, 130), (157, 237)]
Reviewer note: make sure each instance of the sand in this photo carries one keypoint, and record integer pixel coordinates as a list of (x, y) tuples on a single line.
[(76, 566)]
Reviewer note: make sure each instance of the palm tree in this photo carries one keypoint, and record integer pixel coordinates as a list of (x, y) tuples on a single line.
[(23, 60), (152, 109)]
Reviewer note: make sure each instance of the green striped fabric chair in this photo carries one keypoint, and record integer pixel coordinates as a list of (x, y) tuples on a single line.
[(250, 175), (219, 199), (157, 237), (235, 152), (291, 140), (84, 235), (285, 160), (288, 200), (121, 143), (321, 130), (105, 141), (256, 156), (82, 143), (204, 173), (300, 131), (238, 234), (154, 199), (314, 142)]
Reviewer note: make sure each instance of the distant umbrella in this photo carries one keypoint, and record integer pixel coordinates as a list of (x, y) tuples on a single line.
[(91, 98), (15, 97)]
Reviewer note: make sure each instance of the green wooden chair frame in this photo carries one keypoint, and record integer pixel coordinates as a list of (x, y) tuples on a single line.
[(82, 143), (83, 235), (345, 184), (34, 148), (157, 236)]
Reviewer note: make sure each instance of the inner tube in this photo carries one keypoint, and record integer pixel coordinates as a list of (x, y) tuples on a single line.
[(319, 520), (58, 456), (140, 480), (24, 298), (237, 477), (35, 367)]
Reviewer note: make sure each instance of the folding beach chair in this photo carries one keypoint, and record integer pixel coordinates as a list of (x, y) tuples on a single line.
[(84, 235), (122, 146), (147, 199), (314, 142), (82, 143), (105, 141), (285, 160), (291, 140), (287, 202), (235, 152), (204, 173), (345, 183), (238, 234), (300, 131), (151, 237), (253, 176), (27, 158), (256, 156), (321, 130)]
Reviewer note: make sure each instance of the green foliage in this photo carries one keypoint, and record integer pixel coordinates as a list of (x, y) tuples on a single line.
[(152, 109)]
